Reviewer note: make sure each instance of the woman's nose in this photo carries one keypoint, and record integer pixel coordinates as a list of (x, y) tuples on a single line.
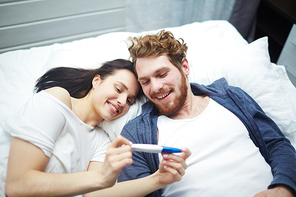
[(122, 100)]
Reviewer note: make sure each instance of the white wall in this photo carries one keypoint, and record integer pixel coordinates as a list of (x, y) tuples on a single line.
[(28, 23)]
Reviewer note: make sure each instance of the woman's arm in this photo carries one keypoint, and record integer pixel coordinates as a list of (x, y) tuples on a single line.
[(26, 163), (171, 169)]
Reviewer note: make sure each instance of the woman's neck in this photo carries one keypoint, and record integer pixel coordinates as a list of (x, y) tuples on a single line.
[(84, 110)]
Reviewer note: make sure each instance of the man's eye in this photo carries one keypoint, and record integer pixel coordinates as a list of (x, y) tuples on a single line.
[(144, 82), (163, 74)]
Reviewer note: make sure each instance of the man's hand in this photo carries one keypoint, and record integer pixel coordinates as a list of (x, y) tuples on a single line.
[(279, 191)]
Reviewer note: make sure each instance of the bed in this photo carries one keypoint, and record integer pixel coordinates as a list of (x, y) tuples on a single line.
[(216, 50)]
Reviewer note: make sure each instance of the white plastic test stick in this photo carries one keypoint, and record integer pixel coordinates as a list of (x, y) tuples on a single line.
[(153, 148)]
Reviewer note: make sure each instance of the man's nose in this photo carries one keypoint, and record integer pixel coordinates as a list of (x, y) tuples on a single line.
[(156, 85)]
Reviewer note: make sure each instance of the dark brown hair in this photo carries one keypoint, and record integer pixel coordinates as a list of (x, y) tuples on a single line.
[(77, 81)]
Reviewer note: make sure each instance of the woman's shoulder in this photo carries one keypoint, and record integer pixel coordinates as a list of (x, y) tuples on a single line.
[(62, 94)]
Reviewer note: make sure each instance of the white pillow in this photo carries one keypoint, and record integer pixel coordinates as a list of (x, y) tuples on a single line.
[(250, 69)]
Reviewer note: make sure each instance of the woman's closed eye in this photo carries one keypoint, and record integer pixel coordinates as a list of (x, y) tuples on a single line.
[(130, 101), (117, 89)]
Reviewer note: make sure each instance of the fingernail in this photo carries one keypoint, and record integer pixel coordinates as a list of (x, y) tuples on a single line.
[(130, 143), (165, 155)]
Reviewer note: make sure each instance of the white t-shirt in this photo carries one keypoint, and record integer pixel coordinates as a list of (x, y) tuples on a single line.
[(49, 124), (224, 160)]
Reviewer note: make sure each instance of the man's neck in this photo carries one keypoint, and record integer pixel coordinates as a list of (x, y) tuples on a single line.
[(193, 107)]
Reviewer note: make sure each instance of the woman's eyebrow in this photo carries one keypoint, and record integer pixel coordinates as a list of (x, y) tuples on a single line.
[(124, 86)]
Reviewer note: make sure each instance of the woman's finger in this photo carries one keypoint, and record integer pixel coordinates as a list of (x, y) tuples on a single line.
[(119, 164), (185, 153), (179, 167), (174, 173), (119, 140), (119, 156), (175, 158), (118, 150)]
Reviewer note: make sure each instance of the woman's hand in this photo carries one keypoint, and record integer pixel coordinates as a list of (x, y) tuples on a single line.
[(116, 159), (172, 168)]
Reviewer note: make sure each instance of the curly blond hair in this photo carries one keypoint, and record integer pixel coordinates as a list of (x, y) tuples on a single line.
[(161, 43)]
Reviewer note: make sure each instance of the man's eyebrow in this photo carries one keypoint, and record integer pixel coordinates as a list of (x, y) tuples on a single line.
[(160, 69), (141, 78)]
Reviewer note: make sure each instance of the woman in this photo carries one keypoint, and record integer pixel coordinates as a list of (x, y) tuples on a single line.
[(54, 138)]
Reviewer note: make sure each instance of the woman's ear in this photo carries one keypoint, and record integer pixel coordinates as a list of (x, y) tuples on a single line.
[(96, 81)]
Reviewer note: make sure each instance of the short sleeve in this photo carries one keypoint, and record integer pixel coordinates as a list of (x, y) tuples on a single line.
[(39, 122), (102, 145)]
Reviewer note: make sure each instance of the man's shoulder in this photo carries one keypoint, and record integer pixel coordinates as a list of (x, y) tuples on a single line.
[(133, 129), (147, 109), (139, 128), (135, 122)]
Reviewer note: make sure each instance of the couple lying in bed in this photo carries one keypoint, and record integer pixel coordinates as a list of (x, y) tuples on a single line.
[(230, 147)]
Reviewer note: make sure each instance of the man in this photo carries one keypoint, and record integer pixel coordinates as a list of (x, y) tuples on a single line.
[(236, 149)]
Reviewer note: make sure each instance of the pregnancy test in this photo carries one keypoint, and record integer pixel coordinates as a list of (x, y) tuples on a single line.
[(153, 148)]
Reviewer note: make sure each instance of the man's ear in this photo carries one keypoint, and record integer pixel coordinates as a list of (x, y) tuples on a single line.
[(96, 81), (185, 66)]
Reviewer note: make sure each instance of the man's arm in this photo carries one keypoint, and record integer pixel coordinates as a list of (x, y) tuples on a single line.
[(281, 154), (279, 191)]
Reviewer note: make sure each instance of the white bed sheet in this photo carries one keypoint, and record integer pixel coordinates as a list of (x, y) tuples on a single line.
[(216, 49)]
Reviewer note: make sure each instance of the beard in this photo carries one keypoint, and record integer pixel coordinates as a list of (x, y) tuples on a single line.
[(171, 108)]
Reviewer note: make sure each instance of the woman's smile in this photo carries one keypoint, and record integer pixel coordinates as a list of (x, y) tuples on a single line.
[(113, 108)]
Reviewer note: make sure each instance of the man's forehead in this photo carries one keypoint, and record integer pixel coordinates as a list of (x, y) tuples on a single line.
[(150, 69), (153, 63)]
